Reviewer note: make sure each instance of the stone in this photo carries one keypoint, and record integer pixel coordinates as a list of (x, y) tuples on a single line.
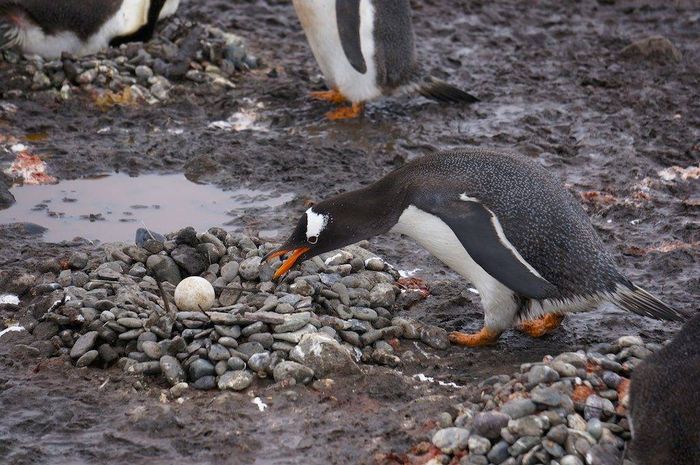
[(553, 448), (152, 350), (164, 268), (523, 445), (172, 370), (655, 48), (489, 424), (259, 362), (558, 434), (324, 355), (236, 363), (229, 271), (218, 352), (205, 383), (382, 295), (546, 396), (200, 368), (251, 348), (235, 380), (83, 344), (530, 425), (478, 445), (518, 408), (107, 353), (87, 358), (542, 374), (249, 268), (434, 337), (452, 439), (570, 460), (189, 259), (289, 369), (499, 453)]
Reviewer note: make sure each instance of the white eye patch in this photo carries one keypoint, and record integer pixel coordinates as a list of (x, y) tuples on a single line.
[(315, 223)]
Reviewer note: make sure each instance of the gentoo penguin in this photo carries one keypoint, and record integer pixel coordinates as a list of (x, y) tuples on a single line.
[(664, 404), (365, 49), (80, 27), (499, 220)]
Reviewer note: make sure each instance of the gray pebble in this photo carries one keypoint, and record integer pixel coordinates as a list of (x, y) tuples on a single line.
[(235, 380), (87, 358), (200, 368), (289, 369)]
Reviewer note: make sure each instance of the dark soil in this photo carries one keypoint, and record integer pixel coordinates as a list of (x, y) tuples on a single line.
[(553, 85)]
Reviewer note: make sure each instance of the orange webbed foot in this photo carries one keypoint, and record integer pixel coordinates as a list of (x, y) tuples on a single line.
[(541, 326), (346, 112), (333, 96), (484, 337)]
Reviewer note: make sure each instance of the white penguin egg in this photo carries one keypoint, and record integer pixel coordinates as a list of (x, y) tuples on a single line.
[(194, 294)]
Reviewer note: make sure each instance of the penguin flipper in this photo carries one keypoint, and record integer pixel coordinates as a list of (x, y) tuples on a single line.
[(347, 15), (482, 236)]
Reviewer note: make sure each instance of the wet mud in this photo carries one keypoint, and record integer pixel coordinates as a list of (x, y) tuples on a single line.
[(554, 86)]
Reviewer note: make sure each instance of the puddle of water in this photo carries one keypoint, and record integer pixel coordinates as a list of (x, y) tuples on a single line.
[(112, 207)]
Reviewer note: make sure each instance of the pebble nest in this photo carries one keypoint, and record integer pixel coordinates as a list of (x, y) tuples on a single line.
[(323, 319), (181, 53), (568, 410)]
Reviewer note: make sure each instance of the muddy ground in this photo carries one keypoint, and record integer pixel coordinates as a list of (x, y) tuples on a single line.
[(553, 86)]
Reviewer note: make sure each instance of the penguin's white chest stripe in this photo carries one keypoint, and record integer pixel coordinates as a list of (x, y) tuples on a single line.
[(130, 17), (318, 18), (439, 239)]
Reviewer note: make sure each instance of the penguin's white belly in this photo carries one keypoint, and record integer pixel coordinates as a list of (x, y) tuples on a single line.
[(437, 237), (318, 19), (128, 19)]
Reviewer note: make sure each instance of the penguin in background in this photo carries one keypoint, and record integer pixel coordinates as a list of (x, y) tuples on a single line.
[(80, 27), (502, 222), (664, 403), (365, 49)]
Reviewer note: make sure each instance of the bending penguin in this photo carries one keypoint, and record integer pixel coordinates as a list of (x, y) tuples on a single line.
[(365, 49), (497, 219), (51, 27)]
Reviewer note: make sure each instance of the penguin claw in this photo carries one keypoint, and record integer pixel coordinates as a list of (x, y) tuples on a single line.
[(333, 96), (350, 112), (541, 326), (484, 337)]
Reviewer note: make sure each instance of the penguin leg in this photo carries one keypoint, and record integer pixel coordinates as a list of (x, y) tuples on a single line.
[(541, 326), (333, 96), (350, 112), (484, 337), (500, 308)]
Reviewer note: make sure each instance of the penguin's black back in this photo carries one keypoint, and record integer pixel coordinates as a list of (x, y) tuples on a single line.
[(83, 17), (542, 220), (665, 402), (394, 43)]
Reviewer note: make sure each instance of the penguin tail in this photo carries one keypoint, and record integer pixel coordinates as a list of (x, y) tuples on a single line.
[(10, 28), (634, 299), (441, 91)]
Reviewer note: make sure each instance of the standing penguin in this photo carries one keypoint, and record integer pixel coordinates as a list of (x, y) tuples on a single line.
[(80, 27), (365, 49), (502, 222)]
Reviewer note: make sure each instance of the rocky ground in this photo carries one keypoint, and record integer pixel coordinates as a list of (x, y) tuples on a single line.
[(575, 86)]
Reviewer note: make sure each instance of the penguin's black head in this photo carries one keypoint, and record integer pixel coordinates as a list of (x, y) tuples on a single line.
[(319, 230)]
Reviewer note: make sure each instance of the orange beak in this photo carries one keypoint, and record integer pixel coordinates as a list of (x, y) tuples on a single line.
[(289, 262)]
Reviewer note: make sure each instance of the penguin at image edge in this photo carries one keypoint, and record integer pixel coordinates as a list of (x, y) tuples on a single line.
[(51, 27), (365, 49)]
